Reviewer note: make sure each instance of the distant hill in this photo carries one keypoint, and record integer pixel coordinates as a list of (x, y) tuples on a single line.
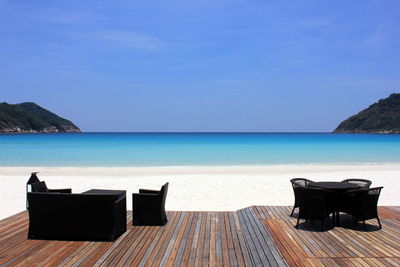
[(381, 117), (31, 118)]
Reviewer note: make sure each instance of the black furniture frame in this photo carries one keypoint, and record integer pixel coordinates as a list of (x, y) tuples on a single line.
[(363, 183), (363, 204), (296, 183), (315, 204), (84, 217), (148, 207)]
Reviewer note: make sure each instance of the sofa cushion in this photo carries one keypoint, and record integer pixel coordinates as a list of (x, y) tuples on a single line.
[(39, 187)]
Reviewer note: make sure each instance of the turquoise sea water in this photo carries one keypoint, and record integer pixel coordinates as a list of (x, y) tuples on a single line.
[(182, 149)]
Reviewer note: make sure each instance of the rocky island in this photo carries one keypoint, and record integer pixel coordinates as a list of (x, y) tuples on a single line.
[(381, 117), (29, 117)]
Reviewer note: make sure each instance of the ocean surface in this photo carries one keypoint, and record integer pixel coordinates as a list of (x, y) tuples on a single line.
[(188, 149)]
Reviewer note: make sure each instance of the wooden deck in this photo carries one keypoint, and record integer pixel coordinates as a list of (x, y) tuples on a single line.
[(255, 236)]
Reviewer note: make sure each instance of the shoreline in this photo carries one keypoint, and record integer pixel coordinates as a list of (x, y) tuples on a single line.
[(201, 188), (386, 163), (208, 169)]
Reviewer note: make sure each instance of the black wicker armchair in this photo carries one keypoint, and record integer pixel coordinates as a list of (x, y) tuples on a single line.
[(363, 204), (296, 183), (314, 204), (363, 183), (148, 207)]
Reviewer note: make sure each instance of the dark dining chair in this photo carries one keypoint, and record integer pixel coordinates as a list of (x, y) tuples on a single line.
[(148, 207), (315, 204), (363, 183), (296, 183), (362, 204)]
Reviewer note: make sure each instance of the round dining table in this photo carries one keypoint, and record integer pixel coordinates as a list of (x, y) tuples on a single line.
[(338, 188)]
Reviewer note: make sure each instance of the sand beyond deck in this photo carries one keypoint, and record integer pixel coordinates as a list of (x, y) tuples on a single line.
[(205, 188)]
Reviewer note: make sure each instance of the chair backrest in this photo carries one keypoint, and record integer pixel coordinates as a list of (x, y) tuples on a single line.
[(39, 187), (363, 183), (313, 202), (367, 195), (163, 192), (300, 182), (364, 202)]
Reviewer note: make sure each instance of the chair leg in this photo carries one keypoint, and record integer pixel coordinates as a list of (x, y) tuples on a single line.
[(364, 225), (380, 226), (297, 224), (337, 218), (291, 214)]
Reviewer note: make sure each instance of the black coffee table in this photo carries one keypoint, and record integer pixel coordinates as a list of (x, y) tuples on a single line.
[(117, 193)]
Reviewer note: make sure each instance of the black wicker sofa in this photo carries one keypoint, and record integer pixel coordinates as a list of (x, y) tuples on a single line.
[(90, 216)]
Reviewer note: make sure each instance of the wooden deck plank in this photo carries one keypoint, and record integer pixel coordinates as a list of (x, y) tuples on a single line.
[(300, 238), (199, 253), (167, 243), (118, 257), (134, 245), (264, 251), (86, 254), (46, 251), (250, 239), (229, 248), (264, 255), (268, 241), (111, 248), (242, 251), (255, 236), (175, 242), (92, 259), (189, 255), (306, 240), (205, 258), (20, 216), (151, 251), (212, 257), (117, 252), (183, 252), (285, 247), (139, 249), (223, 242)]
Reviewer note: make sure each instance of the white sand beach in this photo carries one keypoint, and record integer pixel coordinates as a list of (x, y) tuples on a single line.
[(196, 188)]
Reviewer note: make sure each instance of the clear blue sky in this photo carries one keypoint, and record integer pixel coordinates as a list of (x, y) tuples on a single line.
[(209, 65)]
